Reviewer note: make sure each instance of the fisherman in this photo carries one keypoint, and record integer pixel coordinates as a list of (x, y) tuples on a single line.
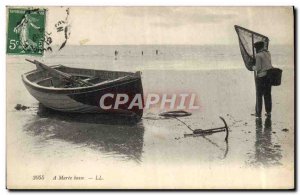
[(263, 84)]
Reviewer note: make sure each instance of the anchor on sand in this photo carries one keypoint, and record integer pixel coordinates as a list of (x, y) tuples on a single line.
[(200, 132), (197, 132), (203, 132)]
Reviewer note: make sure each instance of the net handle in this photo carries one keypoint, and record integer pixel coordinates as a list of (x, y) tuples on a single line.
[(253, 56)]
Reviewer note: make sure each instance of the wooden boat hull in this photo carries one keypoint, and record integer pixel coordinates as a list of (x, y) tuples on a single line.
[(86, 99)]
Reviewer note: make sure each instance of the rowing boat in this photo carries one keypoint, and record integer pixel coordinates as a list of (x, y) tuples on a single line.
[(53, 86)]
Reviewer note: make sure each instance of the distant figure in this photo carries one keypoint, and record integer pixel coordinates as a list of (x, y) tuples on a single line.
[(156, 52), (116, 54), (263, 84), (142, 52)]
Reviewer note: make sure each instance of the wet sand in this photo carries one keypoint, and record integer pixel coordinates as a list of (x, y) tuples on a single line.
[(45, 141)]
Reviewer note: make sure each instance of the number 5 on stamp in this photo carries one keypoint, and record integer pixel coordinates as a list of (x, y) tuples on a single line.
[(25, 31)]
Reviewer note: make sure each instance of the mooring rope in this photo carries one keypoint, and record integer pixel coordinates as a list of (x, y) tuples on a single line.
[(184, 123)]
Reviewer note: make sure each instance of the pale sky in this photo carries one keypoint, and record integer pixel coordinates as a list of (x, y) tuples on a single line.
[(172, 25)]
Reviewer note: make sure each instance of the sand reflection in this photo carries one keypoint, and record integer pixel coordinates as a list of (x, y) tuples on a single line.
[(115, 136), (266, 152)]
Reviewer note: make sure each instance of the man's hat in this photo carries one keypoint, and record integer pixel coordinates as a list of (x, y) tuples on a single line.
[(259, 45)]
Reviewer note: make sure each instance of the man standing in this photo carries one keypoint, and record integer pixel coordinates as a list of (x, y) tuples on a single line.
[(263, 84)]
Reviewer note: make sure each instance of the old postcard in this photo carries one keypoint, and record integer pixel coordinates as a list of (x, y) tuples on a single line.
[(150, 97)]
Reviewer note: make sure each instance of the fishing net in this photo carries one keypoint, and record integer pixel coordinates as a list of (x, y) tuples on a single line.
[(246, 40)]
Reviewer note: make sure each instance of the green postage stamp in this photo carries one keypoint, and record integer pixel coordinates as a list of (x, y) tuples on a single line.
[(25, 31)]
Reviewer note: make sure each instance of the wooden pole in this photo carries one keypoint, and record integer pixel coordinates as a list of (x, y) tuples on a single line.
[(253, 53)]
